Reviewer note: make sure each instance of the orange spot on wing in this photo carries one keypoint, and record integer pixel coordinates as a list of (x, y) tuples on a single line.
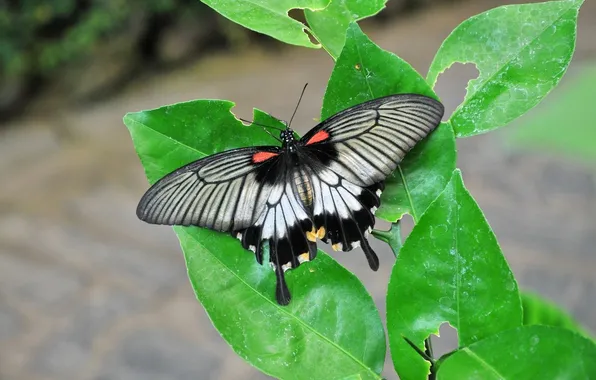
[(318, 137), (262, 156)]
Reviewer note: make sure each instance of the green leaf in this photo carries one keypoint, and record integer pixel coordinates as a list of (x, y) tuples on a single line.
[(540, 311), (420, 177), (364, 72), (330, 24), (564, 122), (528, 352), (353, 377), (450, 269), (270, 17), (521, 52), (331, 327)]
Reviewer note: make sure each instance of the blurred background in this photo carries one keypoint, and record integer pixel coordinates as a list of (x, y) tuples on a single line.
[(89, 292)]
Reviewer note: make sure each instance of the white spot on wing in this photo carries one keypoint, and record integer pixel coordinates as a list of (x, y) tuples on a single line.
[(349, 199), (280, 223), (269, 225), (340, 206), (328, 177), (275, 194)]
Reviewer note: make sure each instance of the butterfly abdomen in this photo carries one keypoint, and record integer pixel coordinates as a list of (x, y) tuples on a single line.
[(303, 187)]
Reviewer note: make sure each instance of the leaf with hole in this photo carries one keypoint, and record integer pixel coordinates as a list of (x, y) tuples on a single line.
[(450, 269), (528, 352), (521, 52), (363, 72), (331, 328), (329, 25), (270, 17)]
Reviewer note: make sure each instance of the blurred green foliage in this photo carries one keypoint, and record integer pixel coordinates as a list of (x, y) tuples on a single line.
[(564, 124), (38, 36)]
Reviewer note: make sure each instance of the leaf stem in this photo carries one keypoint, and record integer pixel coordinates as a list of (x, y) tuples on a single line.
[(391, 237)]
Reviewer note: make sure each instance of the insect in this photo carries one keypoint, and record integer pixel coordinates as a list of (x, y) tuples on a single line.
[(326, 185)]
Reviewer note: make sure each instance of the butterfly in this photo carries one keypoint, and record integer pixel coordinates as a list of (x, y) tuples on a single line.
[(325, 185)]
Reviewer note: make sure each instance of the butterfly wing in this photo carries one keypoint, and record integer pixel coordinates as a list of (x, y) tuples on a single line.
[(349, 156), (225, 192), (247, 192), (329, 189), (365, 143), (284, 222)]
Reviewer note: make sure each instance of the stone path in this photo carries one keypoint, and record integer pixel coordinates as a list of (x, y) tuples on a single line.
[(88, 292)]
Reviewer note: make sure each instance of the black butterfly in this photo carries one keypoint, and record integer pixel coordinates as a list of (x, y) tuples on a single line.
[(326, 185)]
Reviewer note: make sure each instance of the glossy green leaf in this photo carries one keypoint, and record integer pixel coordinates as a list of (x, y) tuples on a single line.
[(528, 352), (521, 52), (540, 311), (353, 377), (564, 123), (331, 327), (420, 177), (450, 269), (364, 72), (270, 17), (330, 24)]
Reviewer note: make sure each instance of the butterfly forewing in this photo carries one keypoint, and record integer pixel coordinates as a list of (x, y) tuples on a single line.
[(225, 192), (365, 143)]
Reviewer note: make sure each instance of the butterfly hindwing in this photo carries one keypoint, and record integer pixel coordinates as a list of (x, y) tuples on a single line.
[(352, 153), (343, 212), (284, 222)]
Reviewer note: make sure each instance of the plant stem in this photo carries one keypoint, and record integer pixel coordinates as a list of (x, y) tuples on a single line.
[(428, 350), (393, 238)]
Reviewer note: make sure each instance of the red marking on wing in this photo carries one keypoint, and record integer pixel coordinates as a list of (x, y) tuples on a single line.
[(318, 137), (262, 156)]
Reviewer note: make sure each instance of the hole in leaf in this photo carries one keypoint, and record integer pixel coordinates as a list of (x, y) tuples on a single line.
[(382, 224), (407, 224), (298, 15), (446, 342), (311, 37), (452, 85)]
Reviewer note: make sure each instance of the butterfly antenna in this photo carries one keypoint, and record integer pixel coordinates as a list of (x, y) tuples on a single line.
[(272, 135), (264, 128), (296, 109)]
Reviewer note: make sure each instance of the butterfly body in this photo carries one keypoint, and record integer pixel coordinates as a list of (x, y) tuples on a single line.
[(326, 185)]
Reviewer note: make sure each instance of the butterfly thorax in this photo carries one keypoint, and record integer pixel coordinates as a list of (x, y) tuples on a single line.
[(288, 141)]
